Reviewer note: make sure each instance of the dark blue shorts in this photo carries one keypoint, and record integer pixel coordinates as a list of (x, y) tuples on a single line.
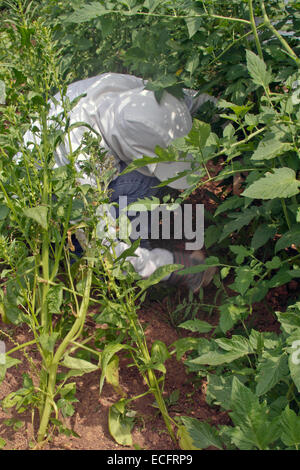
[(134, 186)]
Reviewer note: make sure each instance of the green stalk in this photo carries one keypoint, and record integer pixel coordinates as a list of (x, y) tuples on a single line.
[(71, 336), (253, 26), (153, 382), (45, 243), (284, 43)]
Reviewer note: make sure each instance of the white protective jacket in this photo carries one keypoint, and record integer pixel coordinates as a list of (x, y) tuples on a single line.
[(131, 123)]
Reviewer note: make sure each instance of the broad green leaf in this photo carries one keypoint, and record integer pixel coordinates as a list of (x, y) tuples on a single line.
[(215, 358), (185, 440), (2, 441), (240, 220), (79, 365), (290, 424), (219, 390), (159, 352), (229, 315), (39, 214), (253, 428), (193, 25), (289, 238), (262, 234), (281, 183), (151, 5), (158, 275), (119, 424), (211, 261), (201, 433), (107, 355), (237, 344), (6, 364), (87, 13), (4, 211), (241, 252), (275, 263), (230, 203), (47, 341), (196, 325), (243, 279), (271, 370), (266, 339), (290, 320), (183, 345), (281, 277), (112, 375), (294, 358), (269, 148), (55, 298), (199, 134), (257, 69), (192, 63)]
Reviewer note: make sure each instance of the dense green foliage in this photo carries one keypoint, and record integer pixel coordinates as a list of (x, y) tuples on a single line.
[(253, 237)]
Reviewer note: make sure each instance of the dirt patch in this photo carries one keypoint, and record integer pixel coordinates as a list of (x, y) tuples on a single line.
[(91, 411)]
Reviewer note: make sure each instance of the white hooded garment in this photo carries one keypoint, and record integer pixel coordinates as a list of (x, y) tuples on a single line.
[(131, 123), (130, 120)]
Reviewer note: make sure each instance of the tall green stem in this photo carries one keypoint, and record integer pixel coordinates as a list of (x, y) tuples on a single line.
[(284, 43), (71, 336), (253, 26)]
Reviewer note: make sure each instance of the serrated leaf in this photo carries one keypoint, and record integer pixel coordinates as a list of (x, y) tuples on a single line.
[(240, 220), (290, 423), (193, 25), (243, 279), (289, 238), (281, 183), (262, 234), (201, 433), (271, 369), (47, 341), (219, 391), (270, 148), (237, 344), (183, 345), (199, 134), (233, 202), (185, 440), (87, 13), (253, 428), (229, 316), (196, 325), (258, 69), (39, 214)]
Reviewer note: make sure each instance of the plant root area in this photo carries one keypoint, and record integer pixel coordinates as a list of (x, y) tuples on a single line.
[(90, 419)]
